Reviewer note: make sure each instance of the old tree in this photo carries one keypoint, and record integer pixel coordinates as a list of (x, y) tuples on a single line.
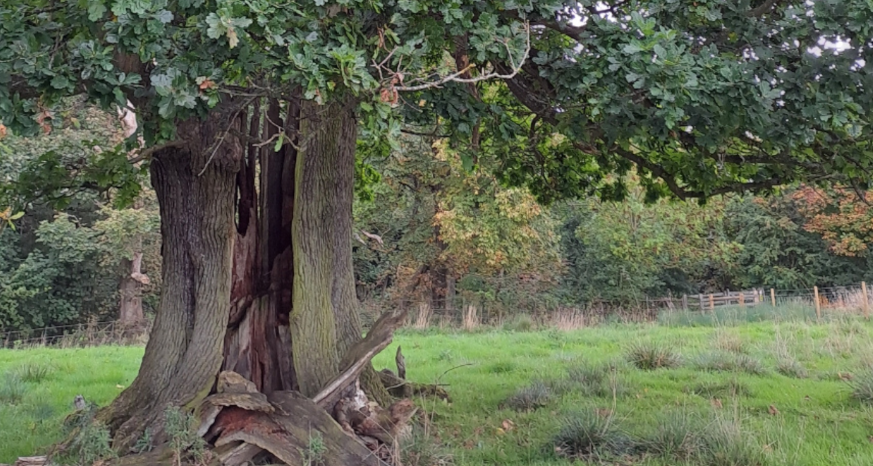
[(252, 114)]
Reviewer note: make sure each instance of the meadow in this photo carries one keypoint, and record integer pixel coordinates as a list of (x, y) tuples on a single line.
[(743, 387)]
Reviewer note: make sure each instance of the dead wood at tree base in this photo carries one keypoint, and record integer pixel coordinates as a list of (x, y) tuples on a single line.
[(286, 433), (401, 388)]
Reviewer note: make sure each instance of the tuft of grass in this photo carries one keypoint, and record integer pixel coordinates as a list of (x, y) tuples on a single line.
[(12, 389), (501, 367), (791, 367), (729, 341), (719, 361), (721, 389), (529, 398), (519, 323), (589, 380), (651, 356), (420, 449), (724, 443), (862, 387), (676, 435), (33, 372), (586, 435)]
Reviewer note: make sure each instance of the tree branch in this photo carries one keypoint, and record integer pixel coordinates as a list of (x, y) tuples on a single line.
[(147, 153)]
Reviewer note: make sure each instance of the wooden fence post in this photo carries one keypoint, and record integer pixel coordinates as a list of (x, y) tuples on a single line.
[(817, 303), (772, 297), (711, 303), (684, 302), (866, 305), (742, 299), (700, 301)]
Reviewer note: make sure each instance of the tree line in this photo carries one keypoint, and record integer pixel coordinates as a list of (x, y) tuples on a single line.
[(429, 230)]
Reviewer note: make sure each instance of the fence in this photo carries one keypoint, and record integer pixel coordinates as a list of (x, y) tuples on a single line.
[(468, 315), (77, 335)]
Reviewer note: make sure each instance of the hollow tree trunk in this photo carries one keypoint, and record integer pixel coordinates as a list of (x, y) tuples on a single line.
[(195, 186), (257, 281), (258, 341)]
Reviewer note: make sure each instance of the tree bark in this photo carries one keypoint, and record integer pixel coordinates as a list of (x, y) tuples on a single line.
[(195, 186), (258, 343), (257, 264), (130, 289)]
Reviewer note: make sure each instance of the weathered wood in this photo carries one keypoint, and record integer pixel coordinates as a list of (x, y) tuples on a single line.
[(31, 461), (817, 302), (405, 389), (232, 390), (772, 297), (359, 356), (401, 364), (865, 305), (238, 455)]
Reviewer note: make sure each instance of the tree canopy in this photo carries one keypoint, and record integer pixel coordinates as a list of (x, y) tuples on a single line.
[(704, 97)]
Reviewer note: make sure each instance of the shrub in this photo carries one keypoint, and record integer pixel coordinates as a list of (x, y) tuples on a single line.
[(720, 361), (862, 387), (90, 442), (650, 356), (675, 436), (12, 388), (586, 434), (180, 427), (529, 398)]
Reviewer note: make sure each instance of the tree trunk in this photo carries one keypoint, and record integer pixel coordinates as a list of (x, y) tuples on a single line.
[(195, 187), (130, 290), (257, 280), (258, 341)]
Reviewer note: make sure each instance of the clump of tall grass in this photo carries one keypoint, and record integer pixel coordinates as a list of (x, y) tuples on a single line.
[(651, 356), (720, 389), (33, 372), (725, 340), (12, 388), (720, 361), (724, 443), (529, 398), (862, 387), (676, 435), (791, 367), (589, 435)]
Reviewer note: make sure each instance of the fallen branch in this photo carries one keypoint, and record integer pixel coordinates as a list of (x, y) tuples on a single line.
[(357, 358)]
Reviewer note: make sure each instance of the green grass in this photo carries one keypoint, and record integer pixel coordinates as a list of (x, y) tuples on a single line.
[(822, 418)]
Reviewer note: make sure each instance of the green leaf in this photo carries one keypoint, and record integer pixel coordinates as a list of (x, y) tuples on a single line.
[(164, 16), (60, 82), (96, 10), (279, 141)]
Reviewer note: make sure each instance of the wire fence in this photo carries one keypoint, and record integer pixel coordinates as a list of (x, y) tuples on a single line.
[(469, 314), (77, 335)]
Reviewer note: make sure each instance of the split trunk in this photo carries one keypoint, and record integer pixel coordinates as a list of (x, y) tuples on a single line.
[(257, 266)]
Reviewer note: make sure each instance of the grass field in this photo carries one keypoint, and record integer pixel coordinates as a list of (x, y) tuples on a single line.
[(733, 392)]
